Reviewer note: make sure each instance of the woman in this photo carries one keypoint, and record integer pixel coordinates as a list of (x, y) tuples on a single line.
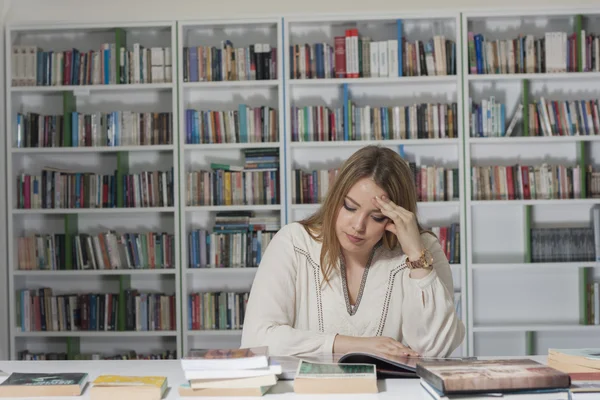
[(358, 275)]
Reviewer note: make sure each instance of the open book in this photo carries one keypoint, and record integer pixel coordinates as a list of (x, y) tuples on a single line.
[(392, 367)]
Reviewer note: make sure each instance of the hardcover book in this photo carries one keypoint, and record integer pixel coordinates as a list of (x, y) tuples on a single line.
[(484, 376), (37, 384)]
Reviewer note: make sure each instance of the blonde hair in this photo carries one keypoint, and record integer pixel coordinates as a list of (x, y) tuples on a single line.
[(388, 170)]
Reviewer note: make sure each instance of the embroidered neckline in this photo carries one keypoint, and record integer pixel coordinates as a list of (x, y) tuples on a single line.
[(352, 309)]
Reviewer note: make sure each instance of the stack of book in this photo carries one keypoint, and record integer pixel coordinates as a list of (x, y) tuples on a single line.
[(228, 372), (509, 379)]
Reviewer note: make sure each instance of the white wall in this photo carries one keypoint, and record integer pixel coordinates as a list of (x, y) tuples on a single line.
[(94, 10)]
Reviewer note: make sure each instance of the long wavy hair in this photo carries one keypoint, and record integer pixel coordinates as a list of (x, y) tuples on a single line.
[(388, 170)]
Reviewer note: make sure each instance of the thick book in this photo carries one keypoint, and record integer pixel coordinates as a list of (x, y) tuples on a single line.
[(392, 367), (119, 387), (485, 376), (329, 378), (48, 384)]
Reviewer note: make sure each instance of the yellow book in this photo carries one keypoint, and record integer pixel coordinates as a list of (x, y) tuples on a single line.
[(117, 387)]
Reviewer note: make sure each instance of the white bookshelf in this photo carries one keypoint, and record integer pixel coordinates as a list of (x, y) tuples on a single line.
[(380, 91), (222, 95), (535, 305), (60, 97)]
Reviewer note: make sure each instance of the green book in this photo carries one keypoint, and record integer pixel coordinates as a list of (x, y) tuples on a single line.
[(321, 378), (325, 370)]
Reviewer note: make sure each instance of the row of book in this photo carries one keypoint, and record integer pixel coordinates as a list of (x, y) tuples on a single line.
[(56, 188), (533, 182), (255, 180), (228, 188), (309, 123), (257, 61), (241, 249), (216, 310), (449, 239), (563, 244), (108, 65), (244, 125), (564, 118), (555, 52), (354, 55), (433, 183), (39, 310), (353, 122), (26, 355), (545, 118), (101, 251), (115, 128)]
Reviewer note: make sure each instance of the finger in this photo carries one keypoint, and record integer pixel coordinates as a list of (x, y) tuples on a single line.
[(384, 200), (390, 226), (405, 349)]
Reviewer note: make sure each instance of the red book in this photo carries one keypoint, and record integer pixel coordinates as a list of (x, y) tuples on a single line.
[(340, 56)]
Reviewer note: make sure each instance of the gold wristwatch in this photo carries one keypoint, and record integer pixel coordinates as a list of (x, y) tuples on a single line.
[(424, 262)]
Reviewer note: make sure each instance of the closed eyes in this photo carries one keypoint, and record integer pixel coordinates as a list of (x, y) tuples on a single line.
[(376, 218)]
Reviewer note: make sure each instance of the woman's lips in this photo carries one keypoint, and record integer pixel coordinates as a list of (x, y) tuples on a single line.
[(354, 239)]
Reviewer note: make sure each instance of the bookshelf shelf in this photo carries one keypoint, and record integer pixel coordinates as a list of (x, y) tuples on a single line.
[(345, 93), (269, 207), (420, 204), (374, 81), (228, 85), (558, 76), (541, 202), (506, 238), (253, 115), (87, 89), (538, 328), (96, 334), (93, 149), (535, 265), (63, 273), (219, 271), (235, 333), (82, 127), (116, 210), (528, 140), (232, 146), (389, 142)]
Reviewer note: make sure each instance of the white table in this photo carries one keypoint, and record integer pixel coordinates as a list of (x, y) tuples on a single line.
[(398, 389)]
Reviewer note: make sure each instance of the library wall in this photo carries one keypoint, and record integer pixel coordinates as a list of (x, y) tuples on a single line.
[(92, 10)]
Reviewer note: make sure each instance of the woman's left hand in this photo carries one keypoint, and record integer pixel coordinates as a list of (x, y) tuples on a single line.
[(403, 224)]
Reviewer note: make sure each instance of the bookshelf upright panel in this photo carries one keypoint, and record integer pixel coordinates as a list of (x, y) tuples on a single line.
[(231, 158), (531, 131), (92, 193), (354, 80)]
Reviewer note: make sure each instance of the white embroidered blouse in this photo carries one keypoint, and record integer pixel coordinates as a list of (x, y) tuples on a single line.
[(293, 312)]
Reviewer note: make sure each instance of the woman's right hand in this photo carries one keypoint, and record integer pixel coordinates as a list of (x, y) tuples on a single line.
[(377, 344), (387, 346)]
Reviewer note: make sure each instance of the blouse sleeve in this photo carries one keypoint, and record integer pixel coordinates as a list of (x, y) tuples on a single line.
[(270, 312), (430, 325)]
